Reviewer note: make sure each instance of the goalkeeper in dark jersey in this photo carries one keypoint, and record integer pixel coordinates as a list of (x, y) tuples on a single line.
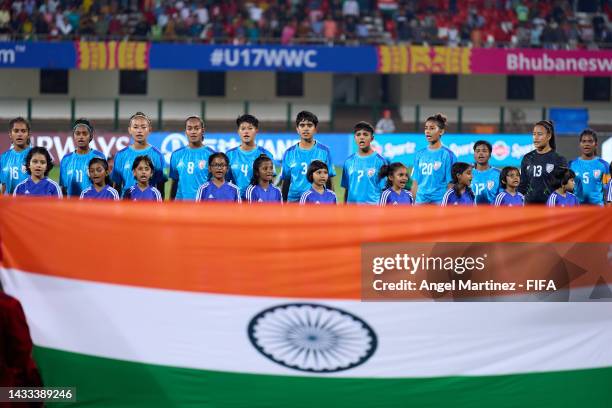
[(538, 165)]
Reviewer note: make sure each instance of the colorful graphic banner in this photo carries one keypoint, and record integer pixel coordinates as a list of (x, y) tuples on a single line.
[(362, 59), (456, 60), (165, 311), (112, 55)]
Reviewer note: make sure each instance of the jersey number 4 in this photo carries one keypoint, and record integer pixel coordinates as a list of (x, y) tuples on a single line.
[(244, 168)]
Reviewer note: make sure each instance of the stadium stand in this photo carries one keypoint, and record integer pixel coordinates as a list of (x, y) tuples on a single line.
[(478, 23)]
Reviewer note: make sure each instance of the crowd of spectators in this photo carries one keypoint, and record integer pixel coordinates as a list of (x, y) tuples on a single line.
[(478, 23)]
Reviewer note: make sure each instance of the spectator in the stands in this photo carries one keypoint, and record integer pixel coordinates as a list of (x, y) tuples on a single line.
[(385, 124)]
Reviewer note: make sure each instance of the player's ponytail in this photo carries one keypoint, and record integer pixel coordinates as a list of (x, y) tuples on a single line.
[(85, 123), (439, 119), (550, 128), (142, 116)]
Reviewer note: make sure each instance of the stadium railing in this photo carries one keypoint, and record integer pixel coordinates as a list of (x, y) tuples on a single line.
[(463, 117)]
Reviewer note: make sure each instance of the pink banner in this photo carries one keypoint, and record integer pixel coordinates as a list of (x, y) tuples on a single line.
[(541, 62)]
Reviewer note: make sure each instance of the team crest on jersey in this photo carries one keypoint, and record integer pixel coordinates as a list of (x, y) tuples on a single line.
[(23, 169), (202, 164), (490, 184), (596, 173), (549, 167), (371, 172), (437, 165)]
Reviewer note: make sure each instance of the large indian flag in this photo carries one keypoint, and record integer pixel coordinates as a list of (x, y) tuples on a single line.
[(227, 306)]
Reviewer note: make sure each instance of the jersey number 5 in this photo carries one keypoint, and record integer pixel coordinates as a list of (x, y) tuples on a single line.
[(585, 178)]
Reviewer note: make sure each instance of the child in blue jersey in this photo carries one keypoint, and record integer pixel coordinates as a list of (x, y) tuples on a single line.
[(509, 180), (563, 183), (100, 188), (298, 157), (38, 165), (431, 172), (485, 179), (360, 172), (318, 176), (73, 167), (189, 164), (122, 177), (143, 170), (242, 157), (460, 193), (12, 162), (217, 188), (591, 171), (261, 189), (395, 193)]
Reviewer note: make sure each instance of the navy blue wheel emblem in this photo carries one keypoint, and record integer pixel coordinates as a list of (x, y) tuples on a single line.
[(311, 337)]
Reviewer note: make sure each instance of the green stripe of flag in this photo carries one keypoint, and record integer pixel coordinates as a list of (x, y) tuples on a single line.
[(103, 382)]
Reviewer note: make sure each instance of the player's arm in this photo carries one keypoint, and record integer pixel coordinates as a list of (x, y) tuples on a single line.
[(2, 189), (161, 187), (62, 178), (452, 159), (414, 174), (116, 179), (285, 178), (332, 172), (173, 188), (285, 188), (524, 184)]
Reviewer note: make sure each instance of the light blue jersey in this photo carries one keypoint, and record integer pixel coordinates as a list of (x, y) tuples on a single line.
[(485, 185), (122, 171), (295, 165), (432, 172), (590, 179), (360, 178), (73, 172), (12, 169), (189, 168), (241, 166)]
